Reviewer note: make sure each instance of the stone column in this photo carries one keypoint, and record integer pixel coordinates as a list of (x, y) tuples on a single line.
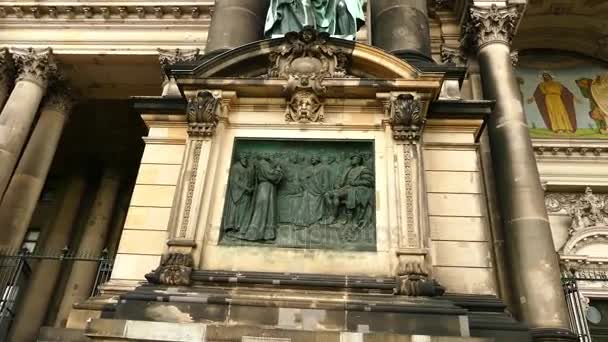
[(82, 275), (401, 27), (33, 309), (531, 255), (34, 67), (6, 75), (21, 196), (169, 57), (236, 23)]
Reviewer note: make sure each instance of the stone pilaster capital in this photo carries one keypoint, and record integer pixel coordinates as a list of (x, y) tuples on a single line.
[(59, 99), (492, 24), (454, 56), (35, 65), (7, 67), (203, 111), (406, 114)]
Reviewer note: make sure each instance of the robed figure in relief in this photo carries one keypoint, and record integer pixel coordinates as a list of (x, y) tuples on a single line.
[(556, 105), (340, 18), (240, 189)]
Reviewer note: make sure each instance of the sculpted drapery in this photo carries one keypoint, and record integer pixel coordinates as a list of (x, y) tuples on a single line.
[(340, 18)]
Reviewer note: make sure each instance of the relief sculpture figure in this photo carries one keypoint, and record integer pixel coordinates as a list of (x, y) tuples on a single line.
[(290, 191), (341, 18), (240, 189), (316, 183), (264, 217)]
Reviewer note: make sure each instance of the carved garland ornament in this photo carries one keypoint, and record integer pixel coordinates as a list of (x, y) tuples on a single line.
[(203, 113), (492, 24), (304, 60)]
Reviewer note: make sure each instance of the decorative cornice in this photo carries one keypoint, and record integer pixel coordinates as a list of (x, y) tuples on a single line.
[(7, 67), (78, 11), (555, 150), (35, 65), (59, 99), (453, 56), (491, 25)]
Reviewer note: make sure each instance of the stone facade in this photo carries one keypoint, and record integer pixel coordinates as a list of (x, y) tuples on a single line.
[(472, 225)]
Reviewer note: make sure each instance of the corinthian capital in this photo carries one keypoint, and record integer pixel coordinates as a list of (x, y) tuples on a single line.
[(492, 24), (35, 65), (59, 99), (168, 57), (6, 66)]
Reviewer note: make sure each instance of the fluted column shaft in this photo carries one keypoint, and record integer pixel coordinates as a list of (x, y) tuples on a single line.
[(33, 308), (531, 255), (82, 274), (34, 67), (6, 76), (401, 27), (21, 196), (236, 23)]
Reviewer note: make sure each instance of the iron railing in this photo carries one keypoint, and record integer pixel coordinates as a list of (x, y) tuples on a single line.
[(16, 268)]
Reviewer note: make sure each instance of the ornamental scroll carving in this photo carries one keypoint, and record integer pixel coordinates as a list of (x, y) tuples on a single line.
[(203, 113), (413, 280), (174, 269), (586, 210), (407, 117), (491, 24)]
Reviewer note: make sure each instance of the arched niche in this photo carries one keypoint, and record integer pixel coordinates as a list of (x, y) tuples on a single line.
[(591, 242)]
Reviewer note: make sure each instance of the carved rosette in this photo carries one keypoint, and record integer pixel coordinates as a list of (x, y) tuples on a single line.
[(203, 113), (492, 24), (174, 270), (35, 65), (7, 67), (407, 117), (304, 106), (59, 99), (453, 56), (413, 280)]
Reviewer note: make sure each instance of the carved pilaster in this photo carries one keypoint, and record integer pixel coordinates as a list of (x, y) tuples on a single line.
[(454, 56), (59, 99), (35, 65), (492, 25)]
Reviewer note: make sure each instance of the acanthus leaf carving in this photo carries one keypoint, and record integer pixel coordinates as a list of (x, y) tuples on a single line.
[(407, 117), (174, 270), (453, 56), (491, 24), (203, 113), (35, 65)]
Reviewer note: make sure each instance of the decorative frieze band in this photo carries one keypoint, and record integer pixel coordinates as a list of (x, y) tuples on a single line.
[(569, 150), (79, 11), (492, 24)]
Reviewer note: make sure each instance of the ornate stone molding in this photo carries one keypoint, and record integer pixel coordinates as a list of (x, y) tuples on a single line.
[(491, 25), (589, 210), (412, 232), (196, 156), (35, 65), (407, 116), (584, 238), (304, 106), (453, 56), (569, 150), (305, 60), (78, 11), (413, 280), (203, 115), (7, 67), (59, 99), (174, 269), (174, 56)]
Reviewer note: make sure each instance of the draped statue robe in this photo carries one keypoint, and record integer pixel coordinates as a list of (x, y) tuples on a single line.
[(341, 18)]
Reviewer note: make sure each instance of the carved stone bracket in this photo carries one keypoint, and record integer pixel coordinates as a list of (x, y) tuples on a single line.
[(174, 269), (407, 116), (413, 280), (35, 65), (491, 25), (203, 113), (454, 56)]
